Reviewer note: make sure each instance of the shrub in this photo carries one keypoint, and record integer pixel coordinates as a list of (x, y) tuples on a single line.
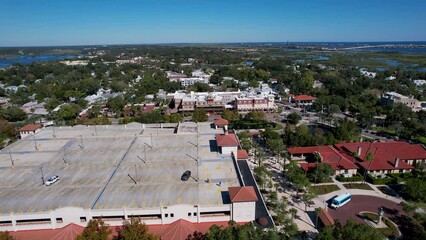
[(379, 181), (355, 178)]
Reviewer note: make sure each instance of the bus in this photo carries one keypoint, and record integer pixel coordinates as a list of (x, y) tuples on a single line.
[(340, 200)]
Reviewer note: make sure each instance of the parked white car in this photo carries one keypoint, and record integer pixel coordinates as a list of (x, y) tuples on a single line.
[(51, 180)]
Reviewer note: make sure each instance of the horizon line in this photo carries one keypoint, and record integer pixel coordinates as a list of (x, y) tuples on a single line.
[(209, 43)]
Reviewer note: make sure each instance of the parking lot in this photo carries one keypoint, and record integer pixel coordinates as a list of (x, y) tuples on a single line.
[(112, 167)]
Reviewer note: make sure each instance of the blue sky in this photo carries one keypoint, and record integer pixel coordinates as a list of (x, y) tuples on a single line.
[(80, 22)]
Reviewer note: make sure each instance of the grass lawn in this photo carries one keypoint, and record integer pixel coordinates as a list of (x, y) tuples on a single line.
[(324, 189), (357, 186)]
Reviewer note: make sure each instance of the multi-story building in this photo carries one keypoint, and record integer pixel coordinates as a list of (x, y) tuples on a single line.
[(377, 158), (255, 103), (393, 97), (218, 101), (116, 172)]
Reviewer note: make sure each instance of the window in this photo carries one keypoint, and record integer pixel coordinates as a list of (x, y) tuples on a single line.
[(59, 220), (195, 214), (83, 219), (166, 215), (172, 215), (189, 214)]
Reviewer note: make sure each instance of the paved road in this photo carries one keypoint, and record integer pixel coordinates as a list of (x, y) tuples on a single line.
[(261, 210), (365, 203)]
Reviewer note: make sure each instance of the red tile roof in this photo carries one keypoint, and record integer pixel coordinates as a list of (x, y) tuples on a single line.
[(69, 232), (220, 122), (178, 230), (337, 160), (325, 217), (303, 98), (385, 154), (242, 194), (29, 127), (226, 140), (242, 154), (149, 107)]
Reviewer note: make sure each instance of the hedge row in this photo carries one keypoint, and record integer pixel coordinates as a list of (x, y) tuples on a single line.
[(355, 178), (379, 181)]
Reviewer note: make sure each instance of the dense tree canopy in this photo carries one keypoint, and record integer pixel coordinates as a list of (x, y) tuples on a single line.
[(350, 231)]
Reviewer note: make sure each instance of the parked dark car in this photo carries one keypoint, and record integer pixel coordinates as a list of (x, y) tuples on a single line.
[(186, 175)]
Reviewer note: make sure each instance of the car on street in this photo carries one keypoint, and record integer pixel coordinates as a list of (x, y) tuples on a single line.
[(186, 175), (51, 180)]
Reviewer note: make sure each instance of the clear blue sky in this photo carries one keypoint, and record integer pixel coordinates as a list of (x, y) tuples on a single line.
[(80, 22)]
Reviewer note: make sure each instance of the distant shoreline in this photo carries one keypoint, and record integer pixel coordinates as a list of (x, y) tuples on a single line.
[(414, 43)]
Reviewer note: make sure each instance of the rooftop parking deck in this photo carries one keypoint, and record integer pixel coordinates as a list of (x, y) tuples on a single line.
[(94, 165)]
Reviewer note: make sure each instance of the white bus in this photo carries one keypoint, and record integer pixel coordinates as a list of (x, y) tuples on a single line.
[(340, 200)]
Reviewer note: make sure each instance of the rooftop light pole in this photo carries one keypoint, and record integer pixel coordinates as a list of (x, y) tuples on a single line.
[(42, 175), (65, 156), (132, 179), (54, 133), (136, 172), (35, 143), (11, 160), (144, 161), (81, 140)]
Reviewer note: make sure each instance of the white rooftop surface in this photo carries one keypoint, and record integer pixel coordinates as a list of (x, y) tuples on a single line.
[(93, 165)]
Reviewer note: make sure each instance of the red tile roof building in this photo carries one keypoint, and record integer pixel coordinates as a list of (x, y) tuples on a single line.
[(221, 122), (243, 200), (242, 194), (242, 154), (227, 143), (325, 218), (29, 129), (302, 100), (226, 140), (385, 157)]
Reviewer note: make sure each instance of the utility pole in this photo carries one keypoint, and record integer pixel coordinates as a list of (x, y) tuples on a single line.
[(54, 133)]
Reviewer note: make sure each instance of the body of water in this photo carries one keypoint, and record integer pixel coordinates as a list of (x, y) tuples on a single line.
[(26, 59)]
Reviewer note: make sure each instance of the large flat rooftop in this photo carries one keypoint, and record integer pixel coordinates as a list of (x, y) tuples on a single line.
[(94, 164)]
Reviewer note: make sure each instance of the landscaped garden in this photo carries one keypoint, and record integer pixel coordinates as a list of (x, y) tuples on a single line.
[(324, 189), (363, 186)]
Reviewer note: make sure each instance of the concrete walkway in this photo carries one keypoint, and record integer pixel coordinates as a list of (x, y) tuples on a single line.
[(321, 199), (302, 219)]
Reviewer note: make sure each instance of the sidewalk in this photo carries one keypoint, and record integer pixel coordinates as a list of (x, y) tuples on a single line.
[(302, 220), (321, 199)]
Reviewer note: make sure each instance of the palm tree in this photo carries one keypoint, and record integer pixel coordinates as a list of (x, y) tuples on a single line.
[(293, 212), (317, 211)]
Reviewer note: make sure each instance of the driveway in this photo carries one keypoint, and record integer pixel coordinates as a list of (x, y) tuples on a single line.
[(365, 203)]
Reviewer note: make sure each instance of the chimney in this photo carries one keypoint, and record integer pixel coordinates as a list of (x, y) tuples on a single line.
[(358, 152), (396, 162)]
